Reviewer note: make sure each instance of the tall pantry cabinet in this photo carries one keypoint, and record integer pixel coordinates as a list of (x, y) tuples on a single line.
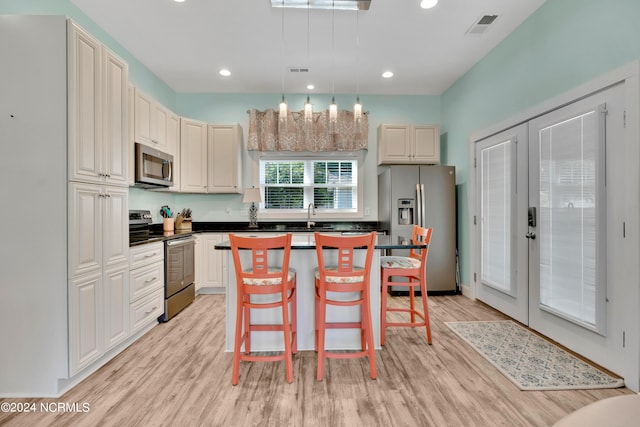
[(64, 157), (98, 199)]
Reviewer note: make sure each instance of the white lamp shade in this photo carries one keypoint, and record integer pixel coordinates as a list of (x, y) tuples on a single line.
[(252, 195)]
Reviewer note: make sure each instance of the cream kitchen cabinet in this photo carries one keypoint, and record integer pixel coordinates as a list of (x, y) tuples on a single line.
[(150, 121), (193, 156), (408, 144), (97, 111), (173, 148), (210, 263), (98, 227), (224, 159), (98, 270), (146, 278)]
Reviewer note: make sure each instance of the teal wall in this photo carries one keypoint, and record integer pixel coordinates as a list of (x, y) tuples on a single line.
[(563, 44), (232, 108), (139, 75)]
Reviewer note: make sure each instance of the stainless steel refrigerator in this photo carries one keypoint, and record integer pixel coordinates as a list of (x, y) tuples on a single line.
[(423, 195)]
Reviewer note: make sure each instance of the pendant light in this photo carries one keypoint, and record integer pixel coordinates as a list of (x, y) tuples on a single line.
[(308, 107), (282, 116), (357, 107), (333, 108)]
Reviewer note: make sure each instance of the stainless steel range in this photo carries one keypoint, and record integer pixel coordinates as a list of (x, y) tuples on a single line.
[(179, 267)]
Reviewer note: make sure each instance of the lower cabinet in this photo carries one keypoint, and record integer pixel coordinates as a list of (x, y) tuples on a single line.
[(99, 315), (210, 262), (146, 277)]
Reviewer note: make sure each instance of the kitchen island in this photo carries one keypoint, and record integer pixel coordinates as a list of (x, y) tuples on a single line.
[(303, 260)]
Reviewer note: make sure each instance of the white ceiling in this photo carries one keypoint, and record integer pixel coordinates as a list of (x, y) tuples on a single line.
[(186, 44)]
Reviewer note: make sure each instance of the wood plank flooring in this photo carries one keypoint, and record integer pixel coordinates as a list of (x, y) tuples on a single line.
[(179, 375)]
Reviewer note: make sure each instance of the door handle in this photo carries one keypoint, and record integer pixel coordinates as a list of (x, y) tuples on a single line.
[(530, 235)]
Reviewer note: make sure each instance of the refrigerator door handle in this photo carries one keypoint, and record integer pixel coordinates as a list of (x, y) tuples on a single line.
[(423, 207), (418, 220)]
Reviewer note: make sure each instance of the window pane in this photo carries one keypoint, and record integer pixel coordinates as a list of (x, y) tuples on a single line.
[(568, 217), (496, 202), (293, 184), (283, 198), (270, 173)]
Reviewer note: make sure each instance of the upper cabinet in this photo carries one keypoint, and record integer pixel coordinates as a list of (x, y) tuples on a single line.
[(156, 126), (407, 144), (193, 156), (97, 111), (224, 150), (150, 121)]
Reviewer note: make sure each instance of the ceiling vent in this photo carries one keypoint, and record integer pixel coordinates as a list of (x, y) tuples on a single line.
[(298, 70), (323, 4), (481, 25)]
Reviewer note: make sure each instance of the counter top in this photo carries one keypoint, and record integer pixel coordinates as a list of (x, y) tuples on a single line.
[(158, 235), (383, 241)]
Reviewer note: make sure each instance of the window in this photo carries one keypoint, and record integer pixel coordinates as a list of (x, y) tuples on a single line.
[(289, 185)]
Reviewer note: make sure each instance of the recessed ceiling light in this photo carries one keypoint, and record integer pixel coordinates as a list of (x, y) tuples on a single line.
[(387, 74), (311, 87), (224, 72), (179, 1), (428, 4)]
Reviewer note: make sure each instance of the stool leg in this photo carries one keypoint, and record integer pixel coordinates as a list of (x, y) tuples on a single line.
[(247, 327), (412, 302), (383, 306), (368, 326), (294, 321), (425, 307), (238, 341), (322, 313), (286, 333)]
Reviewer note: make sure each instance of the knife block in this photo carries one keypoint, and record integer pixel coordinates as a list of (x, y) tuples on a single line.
[(183, 224)]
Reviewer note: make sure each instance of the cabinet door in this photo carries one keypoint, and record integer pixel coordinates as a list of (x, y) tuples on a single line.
[(394, 144), (85, 228), (224, 150), (426, 144), (115, 120), (159, 126), (213, 266), (116, 305), (115, 231), (86, 336), (84, 101), (173, 147), (143, 106), (193, 155)]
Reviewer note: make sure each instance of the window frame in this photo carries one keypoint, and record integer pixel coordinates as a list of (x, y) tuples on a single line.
[(321, 213)]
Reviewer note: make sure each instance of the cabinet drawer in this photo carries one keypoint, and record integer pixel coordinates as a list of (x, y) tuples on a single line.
[(145, 280), (146, 310), (146, 254)]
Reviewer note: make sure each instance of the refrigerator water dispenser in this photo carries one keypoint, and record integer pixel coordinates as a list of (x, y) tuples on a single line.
[(405, 211)]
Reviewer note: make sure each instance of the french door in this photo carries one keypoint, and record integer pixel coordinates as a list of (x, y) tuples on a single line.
[(548, 240), (501, 191)]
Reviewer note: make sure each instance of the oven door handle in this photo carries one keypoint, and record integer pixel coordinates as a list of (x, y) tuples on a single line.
[(180, 241)]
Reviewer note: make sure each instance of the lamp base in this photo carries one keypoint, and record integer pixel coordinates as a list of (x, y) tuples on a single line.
[(253, 216)]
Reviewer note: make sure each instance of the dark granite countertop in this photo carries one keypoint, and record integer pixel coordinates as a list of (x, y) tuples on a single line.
[(158, 235), (308, 242)]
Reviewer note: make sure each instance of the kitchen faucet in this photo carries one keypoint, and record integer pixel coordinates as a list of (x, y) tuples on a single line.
[(310, 208)]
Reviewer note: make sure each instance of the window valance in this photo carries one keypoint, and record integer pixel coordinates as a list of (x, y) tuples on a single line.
[(267, 133)]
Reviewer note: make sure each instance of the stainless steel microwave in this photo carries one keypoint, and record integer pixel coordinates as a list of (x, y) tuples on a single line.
[(153, 167)]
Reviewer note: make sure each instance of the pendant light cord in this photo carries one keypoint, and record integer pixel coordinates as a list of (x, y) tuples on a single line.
[(282, 46), (333, 51)]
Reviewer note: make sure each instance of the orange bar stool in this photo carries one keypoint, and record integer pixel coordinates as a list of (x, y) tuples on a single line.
[(331, 280), (256, 278), (412, 268)]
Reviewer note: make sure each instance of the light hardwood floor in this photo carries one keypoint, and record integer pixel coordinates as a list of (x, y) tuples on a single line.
[(179, 375)]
